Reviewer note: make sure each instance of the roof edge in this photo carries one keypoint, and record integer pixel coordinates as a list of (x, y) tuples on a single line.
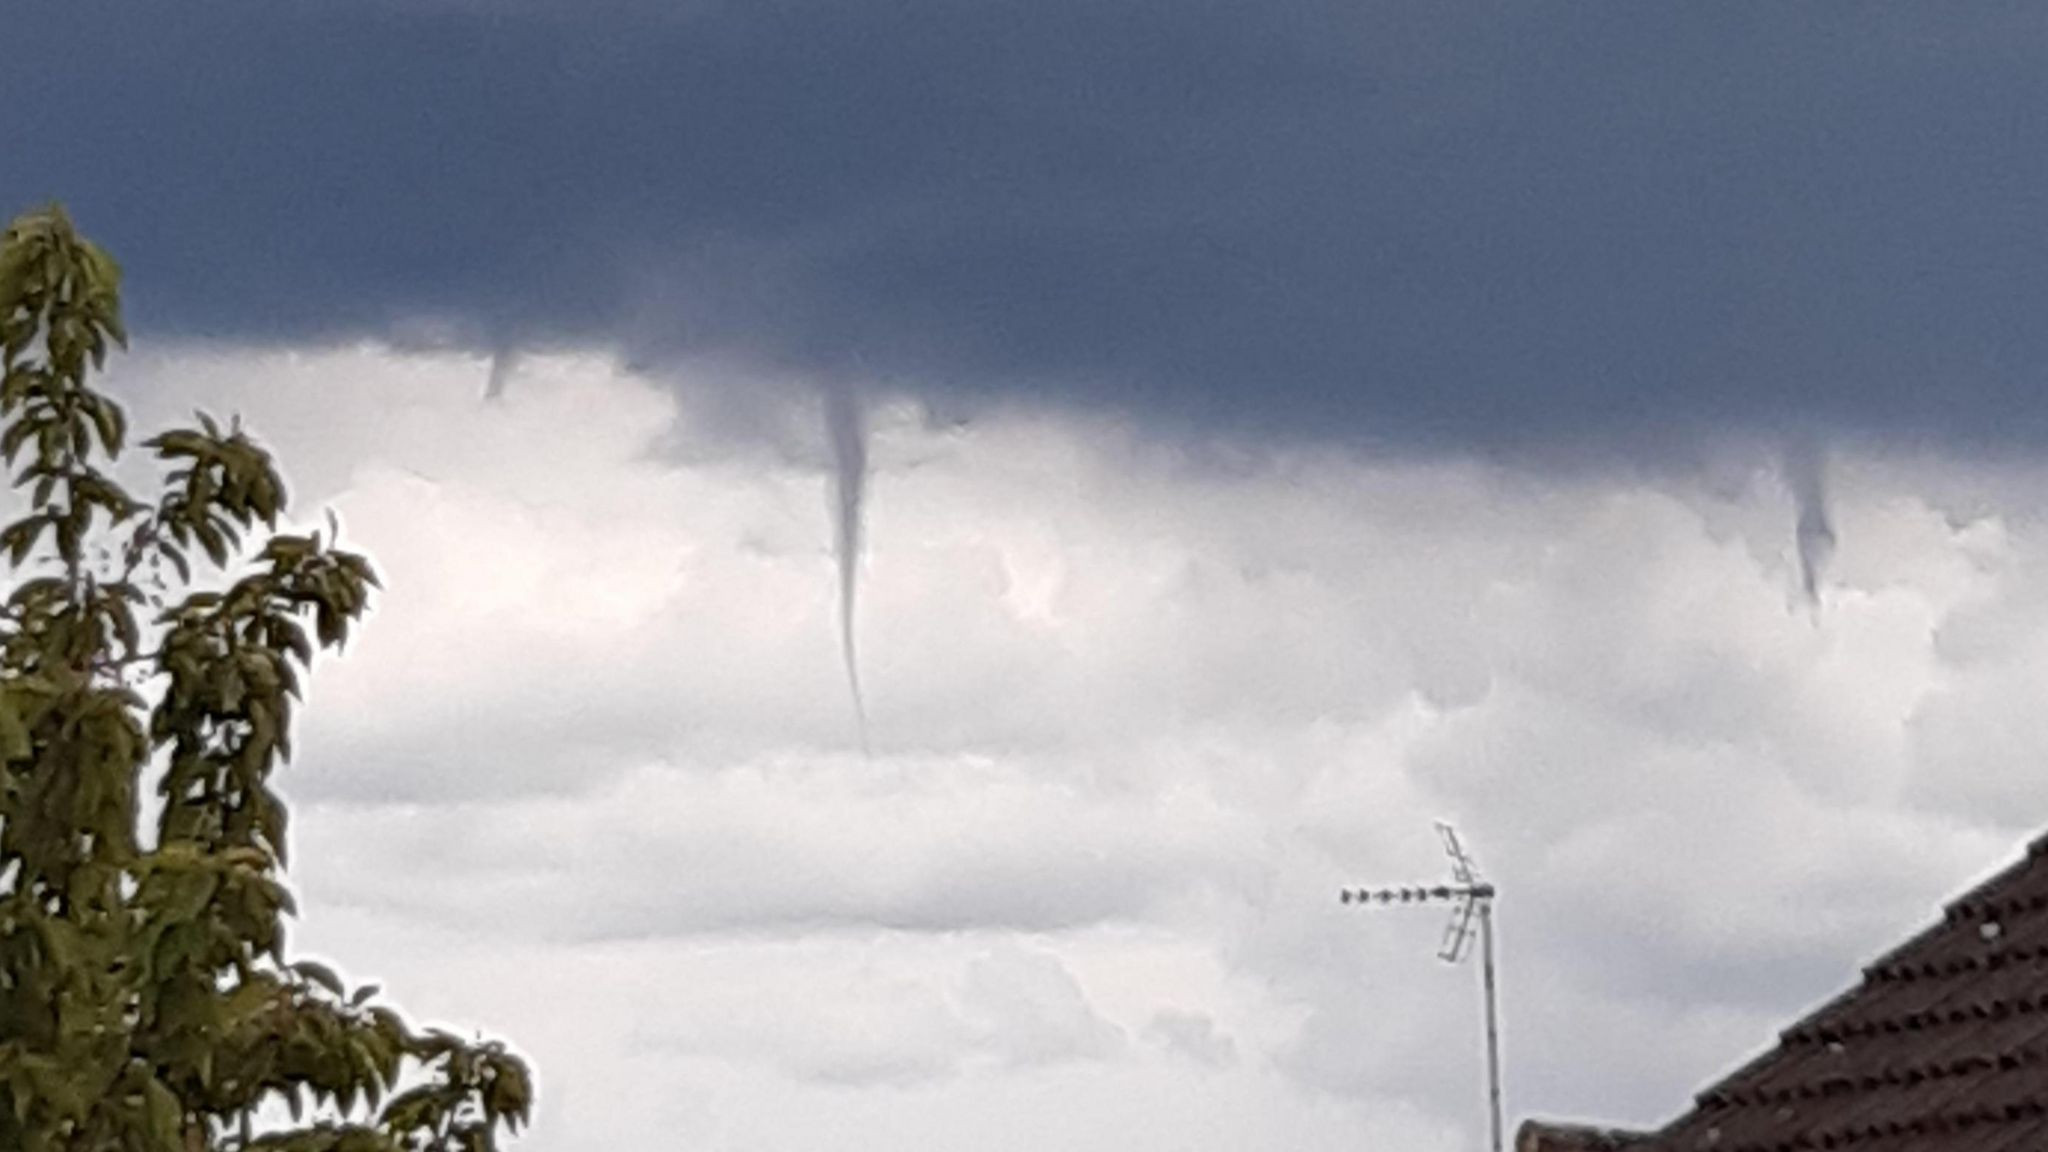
[(1545, 1136)]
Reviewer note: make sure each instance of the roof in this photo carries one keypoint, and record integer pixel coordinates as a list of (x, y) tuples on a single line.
[(1539, 1137), (1943, 1046)]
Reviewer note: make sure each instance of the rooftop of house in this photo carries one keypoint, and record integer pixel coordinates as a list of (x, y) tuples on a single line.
[(1536, 1136), (1943, 1047)]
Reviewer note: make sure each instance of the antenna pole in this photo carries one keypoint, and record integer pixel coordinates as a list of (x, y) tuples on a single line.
[(1492, 1018), (1471, 896)]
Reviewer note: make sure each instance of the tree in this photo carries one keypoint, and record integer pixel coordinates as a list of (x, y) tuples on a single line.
[(147, 1003)]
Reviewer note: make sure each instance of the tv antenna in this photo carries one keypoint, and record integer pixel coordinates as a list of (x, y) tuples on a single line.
[(1471, 897)]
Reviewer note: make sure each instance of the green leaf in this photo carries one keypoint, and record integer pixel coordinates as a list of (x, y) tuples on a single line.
[(166, 1117), (320, 974), (176, 556), (14, 736)]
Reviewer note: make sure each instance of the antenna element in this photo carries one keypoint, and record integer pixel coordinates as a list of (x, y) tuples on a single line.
[(1472, 897)]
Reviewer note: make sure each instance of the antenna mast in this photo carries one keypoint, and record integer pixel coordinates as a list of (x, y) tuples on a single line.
[(1472, 897)]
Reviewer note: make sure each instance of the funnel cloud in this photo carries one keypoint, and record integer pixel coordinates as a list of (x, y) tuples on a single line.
[(1814, 531), (846, 435), (504, 363)]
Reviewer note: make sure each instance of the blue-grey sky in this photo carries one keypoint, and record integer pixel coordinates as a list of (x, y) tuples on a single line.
[(1464, 224)]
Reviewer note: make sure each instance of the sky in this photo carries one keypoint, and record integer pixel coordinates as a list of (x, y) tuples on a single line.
[(1252, 431)]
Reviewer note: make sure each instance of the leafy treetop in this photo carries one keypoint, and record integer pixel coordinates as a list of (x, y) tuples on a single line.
[(147, 1003)]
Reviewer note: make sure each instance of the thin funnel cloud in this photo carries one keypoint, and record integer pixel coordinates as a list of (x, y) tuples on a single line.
[(504, 364), (1814, 531), (846, 435)]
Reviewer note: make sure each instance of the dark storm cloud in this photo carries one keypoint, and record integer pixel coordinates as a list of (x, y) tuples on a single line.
[(1429, 223)]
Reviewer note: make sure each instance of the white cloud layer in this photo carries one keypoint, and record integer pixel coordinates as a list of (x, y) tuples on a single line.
[(590, 776)]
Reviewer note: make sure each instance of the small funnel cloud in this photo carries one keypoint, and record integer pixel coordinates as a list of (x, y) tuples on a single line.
[(847, 435), (504, 362), (1814, 534)]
